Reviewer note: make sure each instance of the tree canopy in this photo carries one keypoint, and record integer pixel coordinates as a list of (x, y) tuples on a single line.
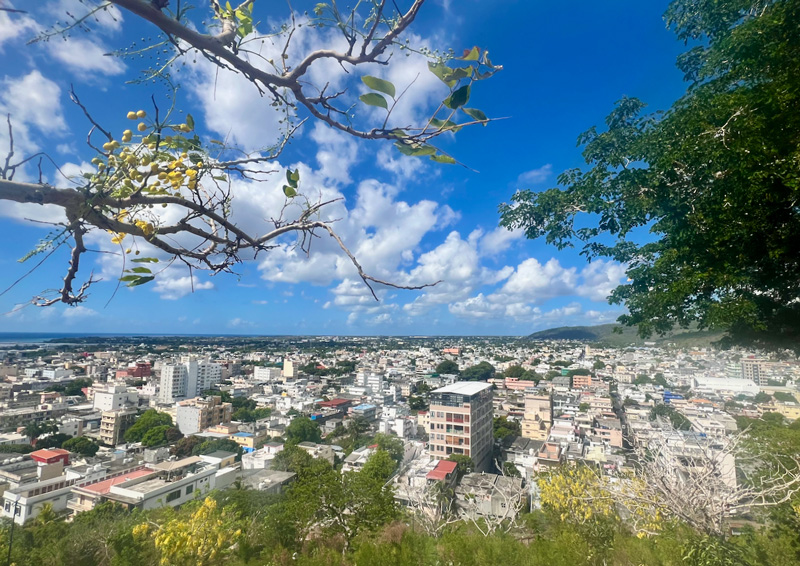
[(479, 372), (714, 180), (148, 420)]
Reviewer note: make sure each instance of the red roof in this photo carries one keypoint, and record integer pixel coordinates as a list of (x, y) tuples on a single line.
[(47, 454), (103, 487), (442, 470), (334, 402)]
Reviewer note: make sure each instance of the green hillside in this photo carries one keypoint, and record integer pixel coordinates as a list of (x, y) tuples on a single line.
[(620, 336)]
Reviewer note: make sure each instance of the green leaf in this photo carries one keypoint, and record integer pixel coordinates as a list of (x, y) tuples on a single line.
[(443, 72), (190, 121), (456, 75), (292, 177), (442, 125), (289, 191), (415, 149), (379, 84), (145, 260), (130, 278), (458, 98), (140, 281), (319, 8), (476, 114), (140, 270), (443, 159), (374, 99), (216, 141), (471, 54)]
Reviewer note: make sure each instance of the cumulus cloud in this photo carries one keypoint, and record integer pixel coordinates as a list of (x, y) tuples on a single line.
[(535, 176), (173, 287), (86, 56), (499, 240), (13, 26), (533, 283)]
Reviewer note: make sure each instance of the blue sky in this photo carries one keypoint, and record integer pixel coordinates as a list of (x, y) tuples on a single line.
[(408, 220)]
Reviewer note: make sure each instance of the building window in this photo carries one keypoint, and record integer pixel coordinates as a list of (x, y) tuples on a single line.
[(189, 489), (172, 496)]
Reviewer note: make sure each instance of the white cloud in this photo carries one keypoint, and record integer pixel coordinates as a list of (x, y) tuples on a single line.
[(13, 26), (533, 283), (107, 20), (535, 176), (600, 278), (499, 240), (86, 56), (78, 312), (173, 287), (337, 153)]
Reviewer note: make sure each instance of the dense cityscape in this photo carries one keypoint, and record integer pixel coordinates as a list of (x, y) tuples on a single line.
[(146, 423)]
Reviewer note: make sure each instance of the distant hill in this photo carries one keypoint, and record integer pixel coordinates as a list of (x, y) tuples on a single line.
[(626, 336)]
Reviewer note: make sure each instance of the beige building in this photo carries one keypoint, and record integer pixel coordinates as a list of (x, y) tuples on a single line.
[(461, 422), (195, 415), (537, 419), (113, 425)]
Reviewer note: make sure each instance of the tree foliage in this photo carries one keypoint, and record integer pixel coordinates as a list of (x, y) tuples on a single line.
[(479, 372), (303, 429), (714, 179), (148, 420), (447, 367), (81, 445)]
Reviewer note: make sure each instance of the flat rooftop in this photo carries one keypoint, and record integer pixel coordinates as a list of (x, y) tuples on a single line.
[(104, 486), (464, 387)]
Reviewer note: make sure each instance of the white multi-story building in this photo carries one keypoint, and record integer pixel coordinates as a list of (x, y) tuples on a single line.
[(266, 373), (187, 379), (56, 373), (114, 396)]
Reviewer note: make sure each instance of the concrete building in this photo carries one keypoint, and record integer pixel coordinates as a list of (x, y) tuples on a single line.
[(754, 369), (113, 396), (724, 384), (187, 379), (581, 381), (56, 373), (537, 418), (461, 422), (266, 374), (200, 413), (113, 425)]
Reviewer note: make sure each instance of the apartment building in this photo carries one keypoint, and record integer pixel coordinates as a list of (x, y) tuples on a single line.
[(187, 379), (537, 418), (461, 422), (113, 425), (113, 396), (200, 413)]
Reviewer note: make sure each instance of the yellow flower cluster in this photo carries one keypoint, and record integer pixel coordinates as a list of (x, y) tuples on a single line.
[(145, 166)]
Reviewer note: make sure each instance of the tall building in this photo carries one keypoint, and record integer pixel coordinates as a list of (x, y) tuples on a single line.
[(200, 413), (114, 423), (187, 379), (755, 370), (113, 396), (537, 418), (461, 422)]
